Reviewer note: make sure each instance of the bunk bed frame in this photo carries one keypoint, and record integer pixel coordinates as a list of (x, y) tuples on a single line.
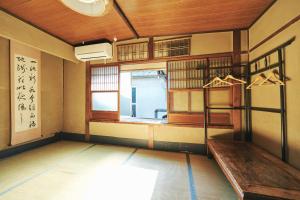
[(253, 172)]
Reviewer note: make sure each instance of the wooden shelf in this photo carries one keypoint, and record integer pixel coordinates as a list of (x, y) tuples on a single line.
[(254, 173)]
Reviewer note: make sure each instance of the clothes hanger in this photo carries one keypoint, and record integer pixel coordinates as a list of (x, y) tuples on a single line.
[(256, 81), (237, 81), (272, 78), (217, 82)]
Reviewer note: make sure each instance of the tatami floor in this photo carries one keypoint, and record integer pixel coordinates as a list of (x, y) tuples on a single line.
[(73, 170)]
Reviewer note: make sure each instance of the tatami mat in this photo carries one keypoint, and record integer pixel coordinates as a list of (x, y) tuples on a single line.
[(210, 182), (81, 171)]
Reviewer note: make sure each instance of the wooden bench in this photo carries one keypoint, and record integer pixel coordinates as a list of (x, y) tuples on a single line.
[(255, 173)]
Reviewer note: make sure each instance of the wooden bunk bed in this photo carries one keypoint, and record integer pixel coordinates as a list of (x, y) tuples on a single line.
[(253, 172)]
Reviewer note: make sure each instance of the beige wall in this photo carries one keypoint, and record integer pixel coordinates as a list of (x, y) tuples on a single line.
[(52, 94), (208, 43), (74, 97), (266, 127), (165, 133), (15, 29)]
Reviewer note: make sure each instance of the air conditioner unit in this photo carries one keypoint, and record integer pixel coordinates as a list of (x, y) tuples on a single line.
[(94, 52)]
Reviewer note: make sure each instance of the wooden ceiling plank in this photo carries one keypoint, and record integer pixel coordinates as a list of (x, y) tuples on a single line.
[(124, 17), (138, 18)]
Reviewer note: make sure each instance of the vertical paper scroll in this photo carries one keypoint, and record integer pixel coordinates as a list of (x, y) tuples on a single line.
[(25, 93)]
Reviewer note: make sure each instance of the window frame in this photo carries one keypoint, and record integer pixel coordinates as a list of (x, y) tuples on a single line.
[(170, 40), (178, 118), (98, 115), (133, 47)]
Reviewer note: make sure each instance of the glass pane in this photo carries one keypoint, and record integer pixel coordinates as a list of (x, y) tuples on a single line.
[(133, 95), (105, 101)]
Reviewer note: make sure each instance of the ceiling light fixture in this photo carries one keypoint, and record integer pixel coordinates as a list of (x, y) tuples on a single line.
[(93, 8), (87, 1)]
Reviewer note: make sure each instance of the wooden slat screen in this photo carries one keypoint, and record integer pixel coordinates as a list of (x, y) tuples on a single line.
[(185, 79), (131, 52), (221, 67), (105, 78), (172, 47), (186, 74)]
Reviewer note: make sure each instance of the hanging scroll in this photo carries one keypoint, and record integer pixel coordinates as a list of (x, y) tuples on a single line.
[(25, 97)]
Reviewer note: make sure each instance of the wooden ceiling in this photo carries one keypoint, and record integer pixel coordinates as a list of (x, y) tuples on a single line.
[(144, 18)]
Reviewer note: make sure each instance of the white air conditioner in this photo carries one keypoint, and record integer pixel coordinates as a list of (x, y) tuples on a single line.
[(94, 52)]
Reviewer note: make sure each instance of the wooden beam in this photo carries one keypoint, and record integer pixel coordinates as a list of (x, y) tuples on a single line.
[(125, 19), (87, 101), (151, 48)]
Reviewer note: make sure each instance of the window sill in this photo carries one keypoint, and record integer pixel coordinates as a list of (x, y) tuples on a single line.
[(142, 120), (129, 120)]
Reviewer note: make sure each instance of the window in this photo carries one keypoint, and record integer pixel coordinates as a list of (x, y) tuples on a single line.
[(143, 95), (133, 102), (105, 92), (131, 52), (172, 47)]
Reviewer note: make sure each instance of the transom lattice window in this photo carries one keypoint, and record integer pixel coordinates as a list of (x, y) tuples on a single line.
[(186, 74), (172, 47), (130, 52)]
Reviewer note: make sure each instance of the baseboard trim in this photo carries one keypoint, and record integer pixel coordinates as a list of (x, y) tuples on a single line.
[(137, 143), (129, 142), (72, 136), (28, 146), (180, 147)]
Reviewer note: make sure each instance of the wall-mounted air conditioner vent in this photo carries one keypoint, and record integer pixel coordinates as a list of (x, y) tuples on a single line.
[(94, 52)]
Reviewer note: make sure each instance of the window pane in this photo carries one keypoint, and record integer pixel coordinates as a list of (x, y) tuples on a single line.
[(133, 95), (133, 110), (105, 101)]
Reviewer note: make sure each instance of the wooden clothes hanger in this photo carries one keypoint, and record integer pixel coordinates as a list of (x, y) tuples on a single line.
[(217, 82), (272, 79), (262, 79), (236, 81), (255, 82)]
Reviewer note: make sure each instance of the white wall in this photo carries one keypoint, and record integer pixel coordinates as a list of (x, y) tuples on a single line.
[(125, 93), (150, 95)]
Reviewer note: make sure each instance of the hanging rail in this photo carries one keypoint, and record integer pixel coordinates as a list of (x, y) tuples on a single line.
[(280, 65)]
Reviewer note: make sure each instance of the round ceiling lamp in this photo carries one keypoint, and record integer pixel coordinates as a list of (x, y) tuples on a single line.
[(93, 8)]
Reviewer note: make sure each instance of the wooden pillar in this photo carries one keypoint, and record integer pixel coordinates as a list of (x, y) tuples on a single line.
[(87, 100), (151, 48), (237, 89), (151, 136)]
